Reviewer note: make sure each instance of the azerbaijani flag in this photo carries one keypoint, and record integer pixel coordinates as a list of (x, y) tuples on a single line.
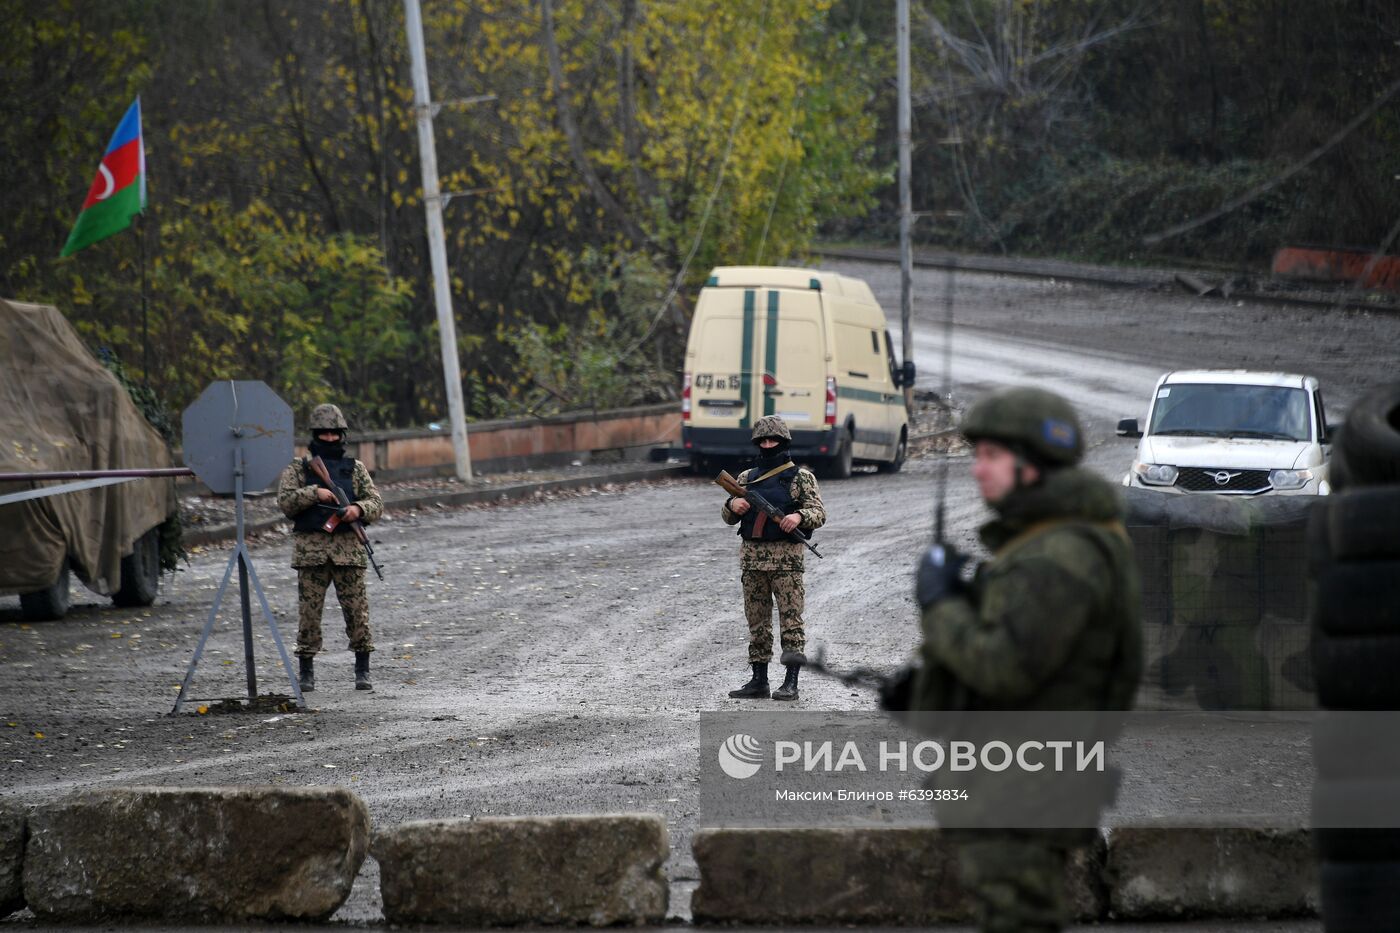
[(118, 192)]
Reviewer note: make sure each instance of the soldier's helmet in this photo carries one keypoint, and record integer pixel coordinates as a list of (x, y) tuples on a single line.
[(1039, 425), (771, 426), (327, 418)]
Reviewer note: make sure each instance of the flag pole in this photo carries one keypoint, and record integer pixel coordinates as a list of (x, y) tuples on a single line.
[(141, 234), (145, 303)]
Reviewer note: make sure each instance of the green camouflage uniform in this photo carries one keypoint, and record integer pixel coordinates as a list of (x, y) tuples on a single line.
[(771, 571), (1051, 622), (323, 559)]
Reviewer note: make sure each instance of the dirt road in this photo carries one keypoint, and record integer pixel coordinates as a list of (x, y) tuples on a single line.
[(556, 657)]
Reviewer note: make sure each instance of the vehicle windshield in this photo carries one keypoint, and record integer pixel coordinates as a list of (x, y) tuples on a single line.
[(1265, 412)]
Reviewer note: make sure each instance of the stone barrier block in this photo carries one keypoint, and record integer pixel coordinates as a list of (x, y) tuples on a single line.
[(1220, 873), (507, 871), (200, 854), (12, 832), (895, 875)]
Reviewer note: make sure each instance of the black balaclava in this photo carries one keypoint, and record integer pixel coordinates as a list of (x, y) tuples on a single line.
[(772, 456), (328, 450)]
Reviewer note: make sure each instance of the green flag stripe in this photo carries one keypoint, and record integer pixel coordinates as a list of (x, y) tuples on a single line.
[(746, 359), (105, 218), (770, 351)]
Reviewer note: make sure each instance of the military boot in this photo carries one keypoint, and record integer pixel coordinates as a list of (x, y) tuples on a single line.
[(308, 674), (757, 685), (362, 671), (788, 691)]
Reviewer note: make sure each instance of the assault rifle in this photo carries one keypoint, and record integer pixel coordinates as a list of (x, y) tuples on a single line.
[(319, 468), (894, 689), (730, 485)]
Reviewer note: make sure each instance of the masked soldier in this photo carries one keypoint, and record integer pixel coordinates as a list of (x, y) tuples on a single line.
[(1050, 622), (770, 559), (322, 558)]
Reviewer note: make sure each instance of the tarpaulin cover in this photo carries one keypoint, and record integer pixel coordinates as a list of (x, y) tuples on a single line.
[(61, 410)]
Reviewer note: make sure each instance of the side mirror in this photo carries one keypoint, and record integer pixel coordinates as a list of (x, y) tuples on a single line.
[(1329, 436), (904, 376), (1128, 427)]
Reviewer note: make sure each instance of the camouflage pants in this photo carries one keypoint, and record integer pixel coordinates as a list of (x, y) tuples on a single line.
[(1016, 880), (762, 588), (312, 583)]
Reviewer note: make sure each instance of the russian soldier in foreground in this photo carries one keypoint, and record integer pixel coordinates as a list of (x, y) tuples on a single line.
[(323, 558), (770, 559), (1050, 622)]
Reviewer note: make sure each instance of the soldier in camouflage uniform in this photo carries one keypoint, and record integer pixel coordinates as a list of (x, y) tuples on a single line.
[(338, 557), (1050, 622), (770, 560)]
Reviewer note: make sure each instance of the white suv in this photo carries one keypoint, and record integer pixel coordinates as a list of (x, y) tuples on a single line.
[(1232, 433)]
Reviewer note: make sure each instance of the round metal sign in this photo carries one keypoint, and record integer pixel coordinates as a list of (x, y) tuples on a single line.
[(232, 414)]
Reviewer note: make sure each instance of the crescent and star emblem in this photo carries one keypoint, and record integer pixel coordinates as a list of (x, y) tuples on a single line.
[(106, 175)]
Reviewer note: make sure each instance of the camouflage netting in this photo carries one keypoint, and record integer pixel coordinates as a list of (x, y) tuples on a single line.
[(61, 410), (1224, 600)]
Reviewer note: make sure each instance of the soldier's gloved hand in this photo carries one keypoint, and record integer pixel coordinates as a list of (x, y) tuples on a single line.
[(897, 692), (939, 574)]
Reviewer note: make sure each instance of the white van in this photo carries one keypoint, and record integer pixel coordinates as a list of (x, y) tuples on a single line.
[(806, 345)]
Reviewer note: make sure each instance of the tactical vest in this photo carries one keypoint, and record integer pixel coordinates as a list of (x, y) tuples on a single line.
[(755, 525), (342, 473)]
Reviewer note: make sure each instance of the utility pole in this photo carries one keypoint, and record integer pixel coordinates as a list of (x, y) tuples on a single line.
[(906, 209), (437, 245)]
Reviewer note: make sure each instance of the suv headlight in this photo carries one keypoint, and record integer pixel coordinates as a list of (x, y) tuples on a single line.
[(1155, 474), (1290, 479)]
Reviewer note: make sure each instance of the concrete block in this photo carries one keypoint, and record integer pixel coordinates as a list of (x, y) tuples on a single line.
[(200, 854), (12, 833), (505, 871), (1220, 873), (895, 875)]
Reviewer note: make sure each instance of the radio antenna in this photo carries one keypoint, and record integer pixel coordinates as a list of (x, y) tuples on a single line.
[(945, 393)]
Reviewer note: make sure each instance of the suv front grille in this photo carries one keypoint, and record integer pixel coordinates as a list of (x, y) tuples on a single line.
[(1203, 479)]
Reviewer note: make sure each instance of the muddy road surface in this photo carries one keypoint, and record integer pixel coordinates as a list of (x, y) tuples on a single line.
[(557, 657)]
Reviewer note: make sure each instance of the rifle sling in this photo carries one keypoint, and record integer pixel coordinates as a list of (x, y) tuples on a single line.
[(769, 475)]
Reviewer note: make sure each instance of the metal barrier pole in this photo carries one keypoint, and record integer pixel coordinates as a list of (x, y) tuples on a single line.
[(242, 555)]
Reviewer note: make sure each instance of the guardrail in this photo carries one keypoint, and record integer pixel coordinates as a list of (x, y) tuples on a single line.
[(502, 445)]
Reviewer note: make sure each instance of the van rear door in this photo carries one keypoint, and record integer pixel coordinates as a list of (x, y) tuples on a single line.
[(769, 358), (717, 366), (792, 377)]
